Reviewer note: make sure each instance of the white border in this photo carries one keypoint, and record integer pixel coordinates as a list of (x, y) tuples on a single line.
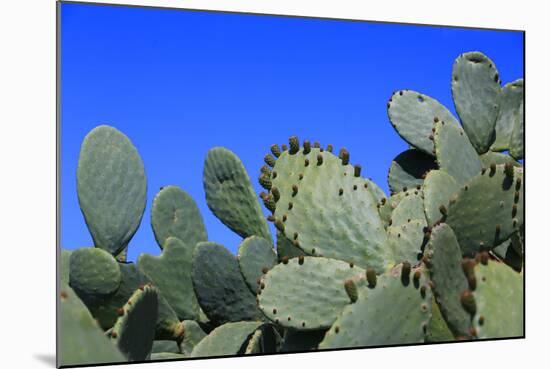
[(27, 157)]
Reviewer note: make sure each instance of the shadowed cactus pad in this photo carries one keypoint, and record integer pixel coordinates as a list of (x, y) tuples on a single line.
[(396, 311), (193, 334), (111, 187), (227, 339), (256, 256), (175, 214), (511, 100), (438, 188), (134, 331), (307, 292), (409, 169), (230, 195)]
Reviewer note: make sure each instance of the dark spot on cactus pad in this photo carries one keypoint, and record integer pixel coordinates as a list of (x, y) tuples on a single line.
[(336, 329), (120, 311), (274, 175), (383, 201), (306, 162), (290, 205), (473, 332), (275, 150), (303, 324), (443, 210), (484, 257), (288, 319), (496, 77), (344, 156), (371, 277), (514, 210), (436, 119), (424, 307), (366, 185), (399, 235), (518, 184), (284, 217), (466, 188), (294, 145), (509, 170), (355, 187), (265, 270), (294, 190), (300, 176), (264, 169), (493, 169), (262, 286), (420, 98), (341, 191), (258, 281), (351, 290), (285, 260), (114, 335), (515, 223), (295, 235), (307, 147), (301, 259), (423, 291), (279, 225), (141, 287), (390, 222), (405, 273), (319, 159), (516, 197), (277, 321), (468, 302), (312, 251), (296, 243), (481, 320), (357, 170), (483, 170), (431, 137), (351, 265)]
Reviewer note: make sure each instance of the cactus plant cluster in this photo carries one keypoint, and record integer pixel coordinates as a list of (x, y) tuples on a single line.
[(440, 259)]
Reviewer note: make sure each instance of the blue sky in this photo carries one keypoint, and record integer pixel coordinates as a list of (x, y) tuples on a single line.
[(180, 82)]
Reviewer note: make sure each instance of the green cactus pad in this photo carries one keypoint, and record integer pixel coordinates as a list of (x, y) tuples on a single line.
[(476, 93), (161, 356), (230, 195), (410, 207), (307, 292), (175, 214), (220, 287), (491, 157), (438, 188), (376, 192), (256, 256), (487, 210), (81, 340), (329, 211), (285, 247), (192, 335), (227, 339), (300, 341), (171, 273), (438, 330), (413, 114), (134, 331), (396, 311), (387, 206), (165, 346), (64, 265), (94, 273), (444, 258), (409, 168), (406, 240), (455, 154), (511, 97), (111, 187), (516, 139), (499, 301)]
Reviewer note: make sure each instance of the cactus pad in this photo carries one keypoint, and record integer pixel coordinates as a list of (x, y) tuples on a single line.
[(438, 330), (307, 292), (413, 114), (220, 287), (409, 168), (175, 214), (81, 340), (516, 139), (406, 241), (438, 189), (165, 346), (64, 265), (488, 209), (396, 311), (410, 207), (171, 273), (326, 209), (230, 195), (94, 273), (134, 331), (227, 339), (476, 93), (256, 256), (511, 97), (444, 258), (111, 187), (193, 334), (285, 247), (455, 154)]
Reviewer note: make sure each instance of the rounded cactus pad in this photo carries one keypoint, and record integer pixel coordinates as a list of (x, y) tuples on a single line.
[(220, 287), (476, 92), (192, 335), (454, 153), (396, 311), (488, 209), (326, 210), (406, 240), (409, 169), (256, 256), (111, 187), (409, 208), (306, 293), (81, 340), (438, 189), (175, 214), (499, 301), (511, 98), (134, 330), (230, 194), (171, 273), (93, 273), (444, 258), (227, 339), (413, 115)]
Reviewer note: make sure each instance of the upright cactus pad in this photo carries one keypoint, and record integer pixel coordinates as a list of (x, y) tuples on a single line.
[(439, 187), (227, 339), (516, 138), (410, 208), (511, 99), (396, 311), (406, 241), (488, 209), (111, 187), (93, 273), (171, 273), (230, 195), (220, 287), (81, 340), (325, 207), (306, 293), (413, 115), (134, 331), (409, 169), (476, 93), (256, 256), (175, 214)]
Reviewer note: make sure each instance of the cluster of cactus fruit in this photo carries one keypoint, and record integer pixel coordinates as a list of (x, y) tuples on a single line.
[(438, 260)]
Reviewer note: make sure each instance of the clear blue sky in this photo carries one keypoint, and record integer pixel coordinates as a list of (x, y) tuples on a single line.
[(180, 82)]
